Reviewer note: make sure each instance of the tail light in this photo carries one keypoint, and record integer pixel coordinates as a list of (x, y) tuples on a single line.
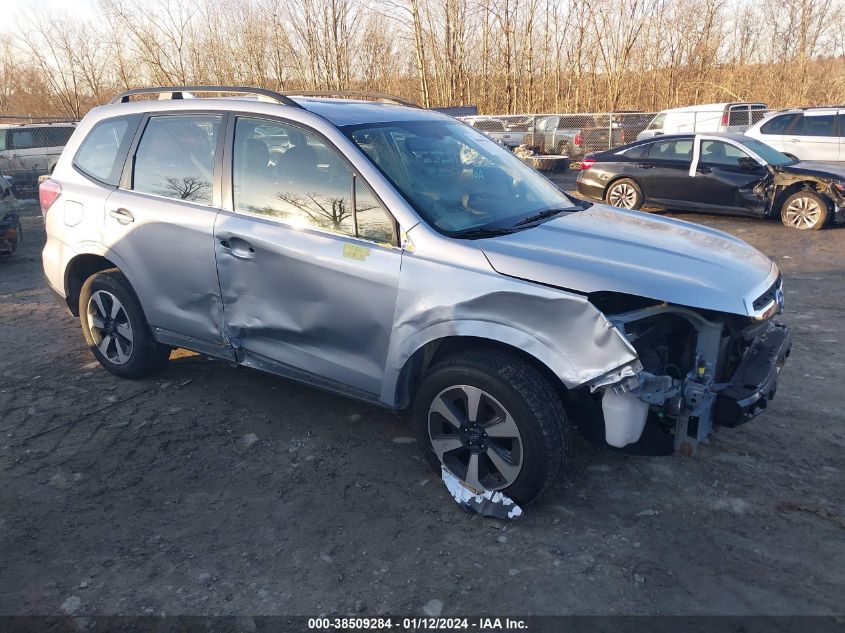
[(587, 162), (579, 140), (48, 191), (724, 118)]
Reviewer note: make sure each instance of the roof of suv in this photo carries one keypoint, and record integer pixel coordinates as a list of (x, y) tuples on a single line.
[(352, 112), (338, 111)]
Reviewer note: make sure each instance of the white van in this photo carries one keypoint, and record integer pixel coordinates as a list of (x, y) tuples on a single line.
[(710, 117)]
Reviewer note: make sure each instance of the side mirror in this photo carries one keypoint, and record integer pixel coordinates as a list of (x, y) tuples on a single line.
[(747, 163)]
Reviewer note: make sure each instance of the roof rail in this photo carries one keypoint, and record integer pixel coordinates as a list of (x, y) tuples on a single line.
[(178, 92), (359, 94)]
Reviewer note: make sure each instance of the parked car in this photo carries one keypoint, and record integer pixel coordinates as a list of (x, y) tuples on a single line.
[(716, 173), (572, 135), (11, 232), (497, 130), (815, 134), (398, 256), (30, 150), (705, 119)]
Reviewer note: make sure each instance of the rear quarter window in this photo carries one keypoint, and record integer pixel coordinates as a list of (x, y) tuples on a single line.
[(637, 152), (777, 124), (102, 153)]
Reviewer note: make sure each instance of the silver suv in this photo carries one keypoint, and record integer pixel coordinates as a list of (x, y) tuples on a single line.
[(398, 256)]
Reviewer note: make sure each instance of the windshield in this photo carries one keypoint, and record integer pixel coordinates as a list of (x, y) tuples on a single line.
[(456, 178), (767, 153)]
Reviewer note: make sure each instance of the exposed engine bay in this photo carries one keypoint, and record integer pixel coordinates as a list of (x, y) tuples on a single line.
[(700, 369)]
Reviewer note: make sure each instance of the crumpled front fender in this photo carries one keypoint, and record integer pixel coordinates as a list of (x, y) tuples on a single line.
[(562, 330)]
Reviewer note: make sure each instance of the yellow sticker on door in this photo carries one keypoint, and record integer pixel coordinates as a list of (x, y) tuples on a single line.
[(354, 251)]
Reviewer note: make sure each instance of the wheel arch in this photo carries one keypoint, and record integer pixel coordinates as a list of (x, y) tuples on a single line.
[(617, 179), (429, 353), (815, 186), (78, 270)]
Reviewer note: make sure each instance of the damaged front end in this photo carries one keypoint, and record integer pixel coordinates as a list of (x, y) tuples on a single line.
[(700, 369)]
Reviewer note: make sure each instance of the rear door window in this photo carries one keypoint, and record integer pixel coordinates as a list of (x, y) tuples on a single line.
[(814, 125), (175, 158), (103, 152), (676, 151)]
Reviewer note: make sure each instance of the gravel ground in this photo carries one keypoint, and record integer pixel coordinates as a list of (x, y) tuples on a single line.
[(220, 490)]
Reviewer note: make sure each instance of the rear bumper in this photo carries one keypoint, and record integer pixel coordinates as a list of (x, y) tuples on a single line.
[(589, 190), (754, 383)]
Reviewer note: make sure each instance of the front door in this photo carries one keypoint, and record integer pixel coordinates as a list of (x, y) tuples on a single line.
[(726, 178), (160, 225), (308, 261)]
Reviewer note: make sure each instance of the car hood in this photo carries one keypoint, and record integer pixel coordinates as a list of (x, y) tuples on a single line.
[(807, 168), (608, 249)]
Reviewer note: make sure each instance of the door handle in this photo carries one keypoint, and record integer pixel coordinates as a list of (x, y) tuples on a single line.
[(795, 140), (645, 165), (704, 170), (122, 215), (238, 247)]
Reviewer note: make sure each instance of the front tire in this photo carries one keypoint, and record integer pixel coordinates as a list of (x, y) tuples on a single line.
[(493, 421), (115, 328), (625, 194), (805, 210)]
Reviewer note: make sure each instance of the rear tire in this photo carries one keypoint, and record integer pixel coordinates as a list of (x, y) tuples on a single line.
[(116, 329), (517, 433), (625, 194), (805, 210)]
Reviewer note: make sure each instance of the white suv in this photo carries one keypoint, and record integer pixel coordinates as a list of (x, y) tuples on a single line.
[(814, 134)]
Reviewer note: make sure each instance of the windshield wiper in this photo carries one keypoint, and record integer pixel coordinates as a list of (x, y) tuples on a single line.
[(542, 215), (481, 231)]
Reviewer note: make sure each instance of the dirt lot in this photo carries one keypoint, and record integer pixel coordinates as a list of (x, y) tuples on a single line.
[(152, 497)]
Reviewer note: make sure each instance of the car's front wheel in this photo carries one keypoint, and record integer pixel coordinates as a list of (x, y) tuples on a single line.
[(494, 421), (805, 210), (625, 194), (115, 327)]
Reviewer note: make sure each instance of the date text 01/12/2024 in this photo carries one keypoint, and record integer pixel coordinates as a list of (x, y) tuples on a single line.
[(481, 624)]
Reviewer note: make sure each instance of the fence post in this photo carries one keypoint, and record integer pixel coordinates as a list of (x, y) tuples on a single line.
[(610, 131)]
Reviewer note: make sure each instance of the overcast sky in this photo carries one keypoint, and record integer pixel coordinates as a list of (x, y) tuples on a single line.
[(80, 8)]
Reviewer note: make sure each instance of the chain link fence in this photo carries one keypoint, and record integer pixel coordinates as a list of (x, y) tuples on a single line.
[(29, 148), (576, 135)]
